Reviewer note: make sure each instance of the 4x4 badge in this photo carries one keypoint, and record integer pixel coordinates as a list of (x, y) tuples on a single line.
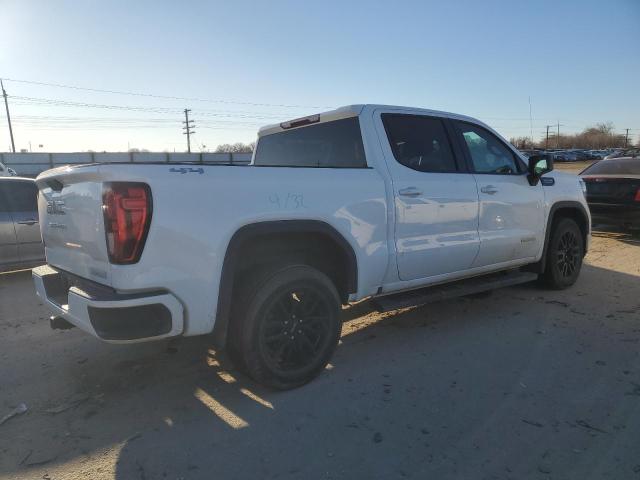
[(184, 170)]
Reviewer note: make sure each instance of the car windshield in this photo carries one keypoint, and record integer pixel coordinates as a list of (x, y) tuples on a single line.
[(625, 166)]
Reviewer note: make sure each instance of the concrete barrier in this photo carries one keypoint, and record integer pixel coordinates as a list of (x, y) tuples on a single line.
[(31, 164)]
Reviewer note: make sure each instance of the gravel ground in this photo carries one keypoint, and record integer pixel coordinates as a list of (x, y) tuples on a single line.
[(525, 383)]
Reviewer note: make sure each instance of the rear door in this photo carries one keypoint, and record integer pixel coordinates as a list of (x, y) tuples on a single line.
[(436, 201), (511, 217), (8, 244), (23, 202)]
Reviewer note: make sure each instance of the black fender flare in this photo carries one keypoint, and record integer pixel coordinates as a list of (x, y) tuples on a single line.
[(246, 232), (540, 266)]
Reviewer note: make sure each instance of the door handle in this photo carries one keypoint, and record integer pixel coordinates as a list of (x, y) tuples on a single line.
[(27, 222), (410, 192), (490, 189)]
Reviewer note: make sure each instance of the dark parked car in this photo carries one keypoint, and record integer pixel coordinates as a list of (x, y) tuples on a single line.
[(613, 191), (20, 240)]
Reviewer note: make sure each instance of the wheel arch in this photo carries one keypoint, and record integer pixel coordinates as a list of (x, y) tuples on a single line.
[(564, 209), (282, 238)]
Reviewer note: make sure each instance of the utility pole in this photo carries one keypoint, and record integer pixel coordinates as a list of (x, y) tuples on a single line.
[(530, 121), (546, 144), (188, 128), (6, 106), (626, 138)]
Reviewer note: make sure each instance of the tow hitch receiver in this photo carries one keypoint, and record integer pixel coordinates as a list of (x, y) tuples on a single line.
[(59, 323)]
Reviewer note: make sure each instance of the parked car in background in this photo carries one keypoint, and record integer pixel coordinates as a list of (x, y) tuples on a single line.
[(570, 156), (613, 192), (6, 171), (630, 152), (598, 154), (528, 153), (559, 156), (20, 240), (582, 155)]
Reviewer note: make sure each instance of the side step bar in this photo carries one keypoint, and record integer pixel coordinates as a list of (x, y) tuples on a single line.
[(483, 283)]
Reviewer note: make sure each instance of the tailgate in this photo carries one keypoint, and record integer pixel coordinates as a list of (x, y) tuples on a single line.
[(72, 223)]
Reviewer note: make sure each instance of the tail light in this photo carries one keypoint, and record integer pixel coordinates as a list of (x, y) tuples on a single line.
[(637, 197), (127, 215)]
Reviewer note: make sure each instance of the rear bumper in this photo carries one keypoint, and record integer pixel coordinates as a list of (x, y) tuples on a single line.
[(614, 214), (104, 313)]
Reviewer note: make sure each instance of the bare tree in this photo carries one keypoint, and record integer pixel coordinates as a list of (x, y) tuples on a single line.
[(522, 143), (601, 135), (238, 147)]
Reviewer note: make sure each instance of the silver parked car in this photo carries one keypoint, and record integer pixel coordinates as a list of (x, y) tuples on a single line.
[(20, 239)]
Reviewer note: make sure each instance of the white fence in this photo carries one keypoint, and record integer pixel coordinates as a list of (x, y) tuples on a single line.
[(31, 164)]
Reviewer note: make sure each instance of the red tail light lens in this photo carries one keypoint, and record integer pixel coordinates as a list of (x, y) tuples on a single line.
[(127, 215), (637, 197)]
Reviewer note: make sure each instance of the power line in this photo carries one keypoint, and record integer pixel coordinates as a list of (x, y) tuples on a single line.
[(149, 109), (166, 97), (119, 121)]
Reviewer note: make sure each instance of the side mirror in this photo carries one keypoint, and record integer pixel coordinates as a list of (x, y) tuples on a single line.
[(538, 166)]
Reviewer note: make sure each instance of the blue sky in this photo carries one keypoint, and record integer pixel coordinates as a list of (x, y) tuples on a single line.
[(578, 61)]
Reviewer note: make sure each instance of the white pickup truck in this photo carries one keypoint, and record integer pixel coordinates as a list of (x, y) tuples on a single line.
[(402, 205)]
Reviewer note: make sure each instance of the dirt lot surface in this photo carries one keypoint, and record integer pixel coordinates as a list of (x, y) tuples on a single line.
[(573, 167), (525, 383)]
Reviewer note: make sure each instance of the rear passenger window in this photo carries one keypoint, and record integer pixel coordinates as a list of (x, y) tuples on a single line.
[(336, 144), (488, 154), (420, 143), (22, 196)]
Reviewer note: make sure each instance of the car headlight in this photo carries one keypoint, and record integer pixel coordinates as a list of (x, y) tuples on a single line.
[(583, 186)]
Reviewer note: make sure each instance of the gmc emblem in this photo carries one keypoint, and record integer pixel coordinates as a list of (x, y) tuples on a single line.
[(55, 207)]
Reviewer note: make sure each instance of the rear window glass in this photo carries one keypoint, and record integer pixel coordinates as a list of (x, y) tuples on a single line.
[(19, 196), (336, 144), (628, 166), (420, 143)]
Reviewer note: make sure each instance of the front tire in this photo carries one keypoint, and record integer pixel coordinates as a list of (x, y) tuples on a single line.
[(564, 255), (287, 327)]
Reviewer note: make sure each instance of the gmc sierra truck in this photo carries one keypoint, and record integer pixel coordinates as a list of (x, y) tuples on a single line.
[(402, 205)]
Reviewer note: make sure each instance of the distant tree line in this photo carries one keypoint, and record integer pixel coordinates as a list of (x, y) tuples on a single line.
[(599, 136), (238, 147)]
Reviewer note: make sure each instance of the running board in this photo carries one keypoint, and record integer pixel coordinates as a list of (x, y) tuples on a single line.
[(469, 286)]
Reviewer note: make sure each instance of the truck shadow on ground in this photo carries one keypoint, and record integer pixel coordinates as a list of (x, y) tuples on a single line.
[(454, 389)]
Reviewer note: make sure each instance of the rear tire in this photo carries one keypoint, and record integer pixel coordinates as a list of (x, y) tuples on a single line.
[(564, 255), (286, 327)]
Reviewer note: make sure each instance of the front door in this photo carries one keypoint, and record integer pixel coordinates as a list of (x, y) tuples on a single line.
[(511, 219), (8, 246), (436, 204), (23, 201)]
